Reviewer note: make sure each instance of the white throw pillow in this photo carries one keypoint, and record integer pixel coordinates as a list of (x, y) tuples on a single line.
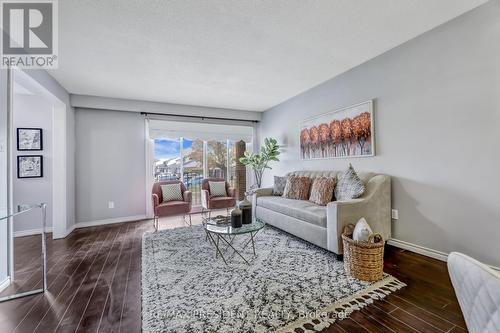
[(362, 231), (171, 192), (217, 189)]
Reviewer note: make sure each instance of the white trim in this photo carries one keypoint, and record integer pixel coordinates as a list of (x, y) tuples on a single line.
[(149, 167), (418, 249), (5, 283), (31, 232), (109, 221), (425, 251), (69, 230)]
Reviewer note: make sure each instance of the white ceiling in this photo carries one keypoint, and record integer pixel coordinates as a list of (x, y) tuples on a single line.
[(244, 54)]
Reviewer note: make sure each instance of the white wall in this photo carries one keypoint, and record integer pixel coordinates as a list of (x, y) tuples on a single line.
[(437, 116), (110, 163), (3, 176), (49, 83), (33, 111)]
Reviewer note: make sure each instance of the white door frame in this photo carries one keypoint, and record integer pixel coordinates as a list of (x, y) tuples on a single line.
[(59, 161)]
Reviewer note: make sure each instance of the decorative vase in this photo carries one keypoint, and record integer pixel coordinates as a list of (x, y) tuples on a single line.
[(246, 211), (236, 217)]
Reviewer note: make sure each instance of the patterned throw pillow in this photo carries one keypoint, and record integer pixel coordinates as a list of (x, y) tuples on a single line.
[(279, 185), (349, 185), (322, 190), (217, 189), (297, 188), (171, 192)]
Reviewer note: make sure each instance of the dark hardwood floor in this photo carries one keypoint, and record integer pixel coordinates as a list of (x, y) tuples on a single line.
[(95, 286)]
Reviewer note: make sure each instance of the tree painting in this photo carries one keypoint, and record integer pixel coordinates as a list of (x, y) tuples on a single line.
[(343, 133)]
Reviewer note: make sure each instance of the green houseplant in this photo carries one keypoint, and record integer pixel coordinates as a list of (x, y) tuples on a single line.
[(269, 151)]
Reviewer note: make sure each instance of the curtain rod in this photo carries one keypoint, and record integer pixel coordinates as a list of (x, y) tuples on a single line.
[(198, 117)]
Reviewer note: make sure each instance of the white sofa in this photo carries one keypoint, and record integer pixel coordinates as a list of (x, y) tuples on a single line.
[(323, 225)]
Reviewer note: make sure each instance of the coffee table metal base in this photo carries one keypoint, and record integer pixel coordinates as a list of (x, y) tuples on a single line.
[(215, 238)]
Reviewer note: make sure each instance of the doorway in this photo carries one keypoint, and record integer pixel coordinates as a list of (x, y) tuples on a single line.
[(33, 106)]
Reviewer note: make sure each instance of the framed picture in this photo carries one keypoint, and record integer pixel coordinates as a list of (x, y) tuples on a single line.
[(29, 139), (343, 133), (30, 166)]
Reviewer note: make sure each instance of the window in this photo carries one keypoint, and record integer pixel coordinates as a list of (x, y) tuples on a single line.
[(192, 152), (217, 158), (231, 149), (167, 159)]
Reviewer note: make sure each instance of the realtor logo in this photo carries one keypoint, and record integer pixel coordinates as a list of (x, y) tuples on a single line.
[(29, 37)]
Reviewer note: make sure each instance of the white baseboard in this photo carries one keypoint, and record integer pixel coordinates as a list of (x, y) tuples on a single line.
[(31, 232), (5, 283), (109, 221), (69, 230), (418, 249), (425, 251)]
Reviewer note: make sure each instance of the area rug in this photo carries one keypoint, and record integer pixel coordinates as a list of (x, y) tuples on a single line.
[(290, 284)]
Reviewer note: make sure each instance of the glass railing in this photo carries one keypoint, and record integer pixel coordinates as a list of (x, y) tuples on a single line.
[(5, 214)]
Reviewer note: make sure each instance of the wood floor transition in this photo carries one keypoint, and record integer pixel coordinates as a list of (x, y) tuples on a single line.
[(95, 286)]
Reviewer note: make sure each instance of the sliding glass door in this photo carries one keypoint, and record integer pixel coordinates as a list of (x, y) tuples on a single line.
[(217, 158), (191, 160), (192, 171)]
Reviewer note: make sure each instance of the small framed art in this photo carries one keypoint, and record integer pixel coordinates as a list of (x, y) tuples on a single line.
[(29, 139), (30, 166)]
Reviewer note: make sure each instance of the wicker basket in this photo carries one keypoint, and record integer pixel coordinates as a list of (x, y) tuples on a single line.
[(363, 260)]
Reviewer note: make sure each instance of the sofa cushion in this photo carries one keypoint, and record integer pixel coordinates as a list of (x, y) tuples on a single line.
[(217, 189), (171, 192), (297, 188), (172, 208), (322, 190), (300, 209), (221, 202), (349, 185), (279, 185)]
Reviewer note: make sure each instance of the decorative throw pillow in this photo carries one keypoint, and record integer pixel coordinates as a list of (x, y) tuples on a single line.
[(362, 231), (217, 189), (297, 188), (322, 190), (349, 185), (279, 185), (171, 192)]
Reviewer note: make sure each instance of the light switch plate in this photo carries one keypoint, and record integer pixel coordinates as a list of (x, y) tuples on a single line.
[(111, 204), (395, 214)]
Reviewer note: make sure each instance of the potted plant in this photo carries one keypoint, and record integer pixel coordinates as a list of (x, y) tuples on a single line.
[(269, 151)]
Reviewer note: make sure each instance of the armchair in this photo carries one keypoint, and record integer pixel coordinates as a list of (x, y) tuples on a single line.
[(170, 208), (209, 202), (477, 287)]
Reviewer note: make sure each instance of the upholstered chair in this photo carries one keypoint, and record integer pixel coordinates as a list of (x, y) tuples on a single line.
[(478, 291), (210, 202), (170, 208)]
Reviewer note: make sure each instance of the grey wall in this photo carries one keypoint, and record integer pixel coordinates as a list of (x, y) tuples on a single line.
[(437, 131), (33, 111), (110, 163), (110, 152)]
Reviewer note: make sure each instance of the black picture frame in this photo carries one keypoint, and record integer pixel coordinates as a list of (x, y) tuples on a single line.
[(19, 161), (40, 133)]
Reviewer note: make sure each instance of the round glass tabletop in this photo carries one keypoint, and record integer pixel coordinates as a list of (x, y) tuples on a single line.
[(224, 229)]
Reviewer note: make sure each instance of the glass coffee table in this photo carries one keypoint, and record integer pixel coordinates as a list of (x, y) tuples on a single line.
[(223, 234)]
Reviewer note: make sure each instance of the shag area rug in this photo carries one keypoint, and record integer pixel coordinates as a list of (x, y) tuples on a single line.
[(289, 284)]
